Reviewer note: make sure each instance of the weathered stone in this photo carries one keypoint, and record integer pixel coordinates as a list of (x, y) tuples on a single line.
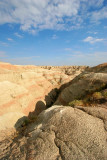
[(63, 133)]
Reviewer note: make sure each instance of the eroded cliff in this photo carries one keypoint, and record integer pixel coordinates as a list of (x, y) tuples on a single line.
[(25, 89)]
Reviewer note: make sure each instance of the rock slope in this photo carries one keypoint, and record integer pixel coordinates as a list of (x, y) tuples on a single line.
[(88, 82), (24, 88), (61, 133)]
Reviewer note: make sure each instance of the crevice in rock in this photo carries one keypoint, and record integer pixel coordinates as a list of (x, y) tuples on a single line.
[(60, 154)]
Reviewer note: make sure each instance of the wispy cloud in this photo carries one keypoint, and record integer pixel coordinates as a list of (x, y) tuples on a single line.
[(36, 15), (4, 44), (74, 53), (21, 60), (68, 49), (18, 35), (92, 58), (9, 39), (67, 41), (54, 36), (91, 32), (96, 16), (93, 40)]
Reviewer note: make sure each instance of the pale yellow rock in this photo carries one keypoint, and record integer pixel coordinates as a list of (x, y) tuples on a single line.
[(8, 120)]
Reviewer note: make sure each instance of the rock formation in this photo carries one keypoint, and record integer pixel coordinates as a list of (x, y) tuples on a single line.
[(61, 132), (90, 81), (23, 88), (68, 70)]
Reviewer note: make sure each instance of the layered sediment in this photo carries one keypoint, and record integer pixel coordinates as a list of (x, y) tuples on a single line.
[(24, 88)]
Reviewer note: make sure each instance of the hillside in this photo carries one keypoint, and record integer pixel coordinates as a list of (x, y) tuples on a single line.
[(24, 89)]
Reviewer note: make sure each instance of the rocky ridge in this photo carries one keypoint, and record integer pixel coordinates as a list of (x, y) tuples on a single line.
[(88, 82)]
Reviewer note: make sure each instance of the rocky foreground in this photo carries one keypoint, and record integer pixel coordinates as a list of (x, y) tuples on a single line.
[(74, 127)]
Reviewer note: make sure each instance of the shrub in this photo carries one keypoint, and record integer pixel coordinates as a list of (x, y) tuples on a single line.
[(105, 94), (96, 95), (76, 103)]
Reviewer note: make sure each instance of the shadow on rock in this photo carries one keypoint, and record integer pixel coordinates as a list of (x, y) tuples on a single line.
[(39, 107), (25, 120), (50, 99)]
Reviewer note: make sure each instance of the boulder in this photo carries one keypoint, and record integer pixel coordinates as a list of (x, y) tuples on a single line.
[(62, 133)]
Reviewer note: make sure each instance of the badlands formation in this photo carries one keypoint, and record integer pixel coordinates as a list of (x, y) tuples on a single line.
[(53, 113), (24, 89)]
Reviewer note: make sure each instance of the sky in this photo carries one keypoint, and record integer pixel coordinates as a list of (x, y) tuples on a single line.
[(53, 32)]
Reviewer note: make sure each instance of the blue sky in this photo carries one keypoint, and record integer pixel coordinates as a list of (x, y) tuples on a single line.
[(53, 32)]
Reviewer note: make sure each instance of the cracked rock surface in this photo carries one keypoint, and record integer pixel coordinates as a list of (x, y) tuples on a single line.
[(61, 133)]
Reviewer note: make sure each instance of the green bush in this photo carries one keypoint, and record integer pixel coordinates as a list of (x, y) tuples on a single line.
[(105, 94), (76, 103), (96, 95)]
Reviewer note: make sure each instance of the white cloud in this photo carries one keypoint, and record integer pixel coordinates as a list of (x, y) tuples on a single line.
[(97, 3), (93, 40), (49, 14), (98, 15), (4, 44), (54, 36), (18, 35), (9, 39), (91, 32)]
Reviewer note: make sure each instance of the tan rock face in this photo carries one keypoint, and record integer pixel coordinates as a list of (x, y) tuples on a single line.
[(62, 133), (23, 88)]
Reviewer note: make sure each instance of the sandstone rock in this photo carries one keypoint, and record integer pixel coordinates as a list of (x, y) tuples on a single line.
[(62, 133), (8, 120)]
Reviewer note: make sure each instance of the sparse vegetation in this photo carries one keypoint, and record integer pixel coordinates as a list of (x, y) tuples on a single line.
[(91, 98), (26, 122), (105, 94), (96, 95), (76, 103)]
